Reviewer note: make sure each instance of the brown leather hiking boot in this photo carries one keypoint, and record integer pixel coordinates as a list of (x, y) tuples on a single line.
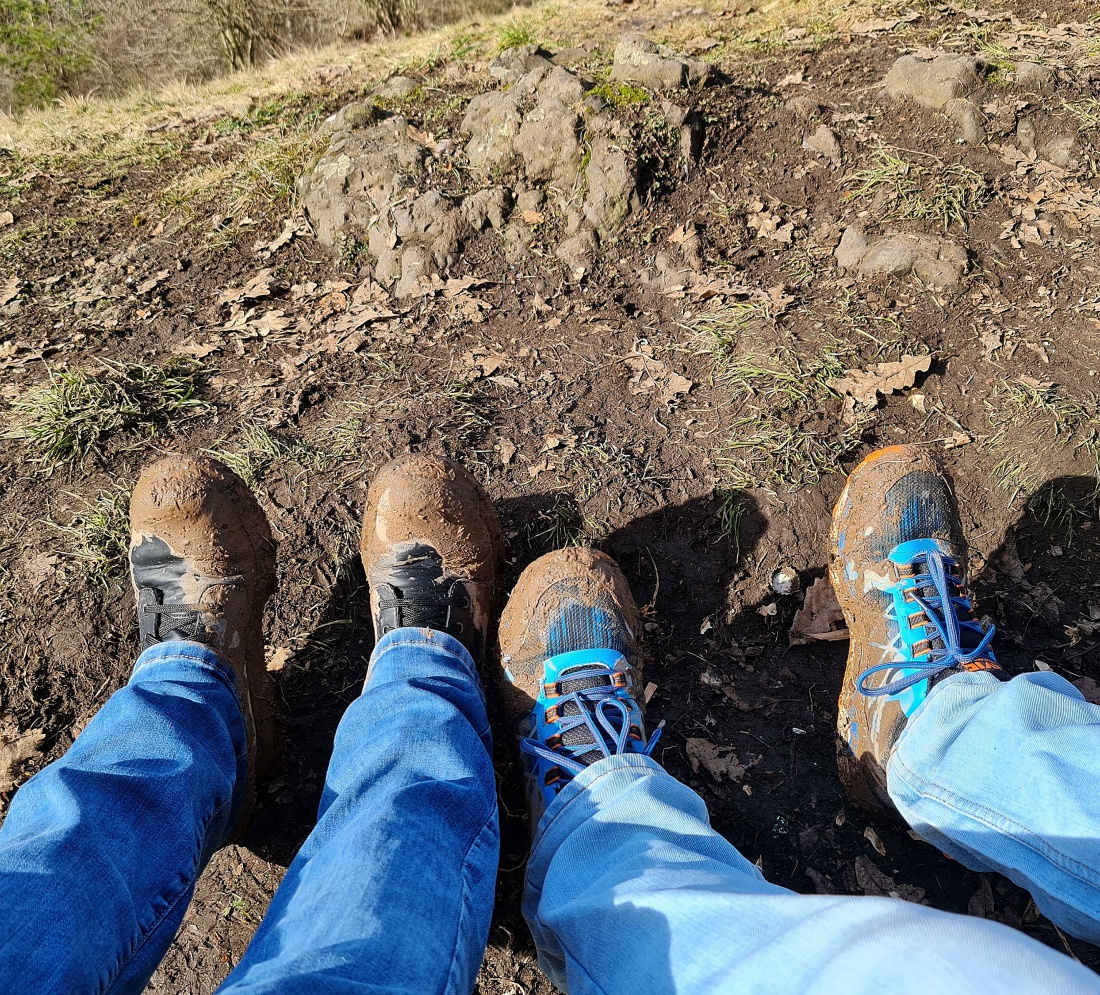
[(202, 562), (898, 568), (432, 550), (570, 657)]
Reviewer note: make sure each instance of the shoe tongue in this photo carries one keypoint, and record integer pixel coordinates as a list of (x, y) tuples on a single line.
[(581, 735)]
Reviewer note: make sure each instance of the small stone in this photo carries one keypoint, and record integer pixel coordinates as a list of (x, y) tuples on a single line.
[(785, 581), (803, 106), (396, 88), (1025, 135), (936, 261), (1033, 76), (657, 67), (824, 141), (933, 84), (1058, 151), (970, 119)]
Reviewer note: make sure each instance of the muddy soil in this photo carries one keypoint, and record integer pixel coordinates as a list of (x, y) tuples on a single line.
[(561, 396)]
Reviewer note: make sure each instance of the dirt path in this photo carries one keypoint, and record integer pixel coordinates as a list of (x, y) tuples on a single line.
[(688, 403)]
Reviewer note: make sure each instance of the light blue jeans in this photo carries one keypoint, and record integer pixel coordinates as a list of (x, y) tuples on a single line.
[(629, 890)]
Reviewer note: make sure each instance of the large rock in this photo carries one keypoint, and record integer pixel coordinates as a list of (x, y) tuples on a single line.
[(363, 172), (936, 261), (933, 84), (611, 178), (549, 138), (492, 121), (564, 156), (657, 67)]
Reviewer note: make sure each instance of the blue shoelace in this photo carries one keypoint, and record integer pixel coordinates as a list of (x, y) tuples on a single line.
[(594, 703), (943, 624)]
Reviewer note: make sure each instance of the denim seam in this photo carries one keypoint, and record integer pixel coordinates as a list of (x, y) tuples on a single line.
[(188, 883), (465, 888), (999, 823)]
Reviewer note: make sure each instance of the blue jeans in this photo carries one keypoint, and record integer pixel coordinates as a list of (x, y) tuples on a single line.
[(628, 889)]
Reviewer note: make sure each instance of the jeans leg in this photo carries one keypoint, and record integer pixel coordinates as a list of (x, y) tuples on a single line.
[(100, 851), (630, 890), (1006, 777), (393, 890)]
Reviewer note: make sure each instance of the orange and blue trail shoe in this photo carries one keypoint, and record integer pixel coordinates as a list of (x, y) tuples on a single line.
[(898, 568), (572, 669)]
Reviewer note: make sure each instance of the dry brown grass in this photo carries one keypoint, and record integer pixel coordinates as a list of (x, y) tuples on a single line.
[(135, 125)]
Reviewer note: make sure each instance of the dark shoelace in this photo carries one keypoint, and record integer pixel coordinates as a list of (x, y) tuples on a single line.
[(184, 619), (431, 611), (941, 603)]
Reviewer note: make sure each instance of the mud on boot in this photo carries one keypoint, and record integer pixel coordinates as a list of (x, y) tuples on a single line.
[(202, 562), (898, 567), (432, 550), (572, 670)]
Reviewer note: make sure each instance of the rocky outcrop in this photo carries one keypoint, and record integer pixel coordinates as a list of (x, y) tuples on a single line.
[(541, 144)]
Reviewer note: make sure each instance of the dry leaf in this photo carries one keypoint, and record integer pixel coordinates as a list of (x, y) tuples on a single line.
[(864, 386), (819, 613), (533, 217), (291, 228), (10, 290), (197, 350), (718, 761), (278, 660), (16, 748), (507, 450), (682, 233), (153, 282), (259, 286), (981, 902), (6, 218), (871, 881), (872, 837)]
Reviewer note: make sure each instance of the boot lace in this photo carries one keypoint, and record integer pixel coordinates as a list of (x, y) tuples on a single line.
[(595, 721), (938, 593)]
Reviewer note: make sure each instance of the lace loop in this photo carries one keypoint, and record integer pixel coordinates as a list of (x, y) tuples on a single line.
[(600, 724), (942, 623)]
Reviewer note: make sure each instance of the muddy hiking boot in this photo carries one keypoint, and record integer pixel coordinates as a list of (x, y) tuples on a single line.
[(433, 551), (898, 568), (202, 562), (573, 669)]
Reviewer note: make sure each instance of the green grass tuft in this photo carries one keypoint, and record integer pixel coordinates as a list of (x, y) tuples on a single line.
[(515, 35), (99, 534), (71, 417), (259, 450), (912, 191)]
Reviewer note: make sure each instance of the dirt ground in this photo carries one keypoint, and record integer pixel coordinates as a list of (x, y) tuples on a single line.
[(686, 426)]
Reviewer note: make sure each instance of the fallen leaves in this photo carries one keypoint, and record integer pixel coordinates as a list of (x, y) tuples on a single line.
[(261, 285), (819, 616), (871, 881), (10, 290), (292, 228), (651, 374), (865, 386)]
